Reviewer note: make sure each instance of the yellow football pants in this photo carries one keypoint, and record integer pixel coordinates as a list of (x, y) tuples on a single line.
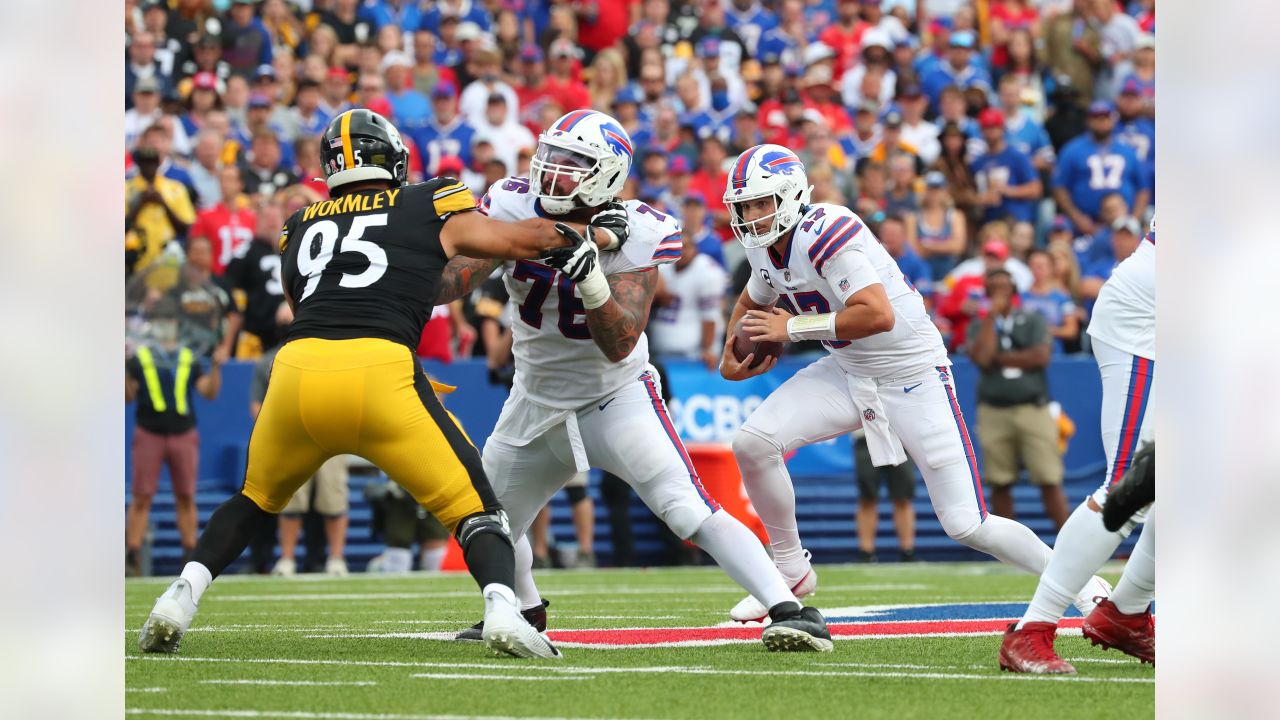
[(366, 397)]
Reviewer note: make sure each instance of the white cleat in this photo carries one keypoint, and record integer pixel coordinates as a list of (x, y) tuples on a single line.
[(752, 610), (1095, 591), (285, 567), (169, 619), (506, 632), (336, 567)]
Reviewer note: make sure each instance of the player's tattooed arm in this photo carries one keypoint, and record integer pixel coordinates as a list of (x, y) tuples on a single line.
[(616, 325), (461, 276)]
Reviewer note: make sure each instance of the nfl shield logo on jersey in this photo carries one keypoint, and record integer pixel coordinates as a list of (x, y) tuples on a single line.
[(869, 415), (844, 284)]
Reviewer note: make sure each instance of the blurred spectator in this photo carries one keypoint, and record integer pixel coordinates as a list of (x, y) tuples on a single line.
[(713, 37), (411, 108), (203, 97), (207, 167), (916, 131), (967, 299), (1011, 347), (1022, 132), (1023, 65), (473, 104), (688, 318), (157, 210), (1008, 186), (1137, 130), (893, 234), (716, 118), (1094, 165), (1119, 34), (206, 56), (145, 111), (1006, 17), (1072, 47), (161, 376), (654, 178), (246, 44), (326, 491), (427, 73), (500, 128), (902, 196), (1144, 72), (336, 91), (159, 137), (306, 118), (694, 224), (845, 37), (229, 224), (447, 334), (1048, 297), (266, 170), (873, 78), (266, 83), (900, 482), (608, 75), (750, 20), (448, 133), (143, 64), (1125, 233), (953, 163), (873, 189), (710, 180), (255, 276), (462, 10), (155, 21), (209, 319), (891, 144), (957, 71), (285, 29), (941, 232)]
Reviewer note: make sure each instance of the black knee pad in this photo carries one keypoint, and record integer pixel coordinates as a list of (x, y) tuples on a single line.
[(472, 526), (576, 494)]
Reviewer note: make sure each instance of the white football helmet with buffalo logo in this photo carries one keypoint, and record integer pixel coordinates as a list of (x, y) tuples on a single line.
[(582, 160), (763, 171)]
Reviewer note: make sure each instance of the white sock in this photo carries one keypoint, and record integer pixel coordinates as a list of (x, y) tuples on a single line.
[(432, 558), (742, 557), (1137, 586), (768, 484), (199, 577), (397, 560), (1083, 546), (525, 587), (1011, 542)]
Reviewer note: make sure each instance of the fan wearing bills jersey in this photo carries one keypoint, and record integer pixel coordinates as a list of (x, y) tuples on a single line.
[(1123, 329), (818, 273), (585, 394)]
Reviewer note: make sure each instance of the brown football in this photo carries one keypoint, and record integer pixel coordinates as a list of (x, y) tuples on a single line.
[(743, 346)]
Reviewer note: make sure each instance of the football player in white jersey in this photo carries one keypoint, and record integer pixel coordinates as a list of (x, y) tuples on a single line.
[(584, 394), (818, 273), (1123, 330)]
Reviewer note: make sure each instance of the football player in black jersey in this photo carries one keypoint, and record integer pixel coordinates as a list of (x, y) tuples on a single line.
[(361, 271)]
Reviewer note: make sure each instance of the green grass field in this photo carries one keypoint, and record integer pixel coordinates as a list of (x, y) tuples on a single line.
[(351, 649)]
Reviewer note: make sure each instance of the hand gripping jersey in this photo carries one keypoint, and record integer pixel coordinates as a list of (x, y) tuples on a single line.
[(1125, 314), (557, 363), (802, 282)]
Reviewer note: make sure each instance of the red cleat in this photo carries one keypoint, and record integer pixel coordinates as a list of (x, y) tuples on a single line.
[(1030, 650), (1130, 634)]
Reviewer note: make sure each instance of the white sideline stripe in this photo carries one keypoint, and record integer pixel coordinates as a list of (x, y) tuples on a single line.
[(307, 683), (681, 670), (303, 715), (567, 592), (147, 689), (468, 676)]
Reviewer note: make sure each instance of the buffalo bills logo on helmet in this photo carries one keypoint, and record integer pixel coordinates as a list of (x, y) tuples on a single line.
[(780, 163), (616, 138)]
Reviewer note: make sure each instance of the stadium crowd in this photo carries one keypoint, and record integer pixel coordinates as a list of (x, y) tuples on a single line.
[(971, 135)]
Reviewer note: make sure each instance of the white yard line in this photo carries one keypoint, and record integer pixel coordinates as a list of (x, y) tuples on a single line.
[(147, 690), (303, 715), (680, 670), (306, 683), (468, 676)]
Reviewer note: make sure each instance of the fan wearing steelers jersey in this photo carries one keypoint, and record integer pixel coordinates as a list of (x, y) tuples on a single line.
[(818, 273), (585, 394), (361, 271)]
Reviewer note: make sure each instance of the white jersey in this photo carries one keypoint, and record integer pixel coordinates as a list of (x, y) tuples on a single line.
[(557, 363), (1125, 314), (800, 284), (697, 293)]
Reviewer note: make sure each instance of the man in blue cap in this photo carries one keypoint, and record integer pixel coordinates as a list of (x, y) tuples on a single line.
[(958, 69)]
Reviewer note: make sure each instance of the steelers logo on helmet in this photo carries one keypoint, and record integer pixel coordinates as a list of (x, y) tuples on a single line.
[(361, 145), (582, 161), (766, 194)]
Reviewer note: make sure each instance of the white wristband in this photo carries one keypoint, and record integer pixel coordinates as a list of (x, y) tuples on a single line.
[(594, 289), (812, 327)]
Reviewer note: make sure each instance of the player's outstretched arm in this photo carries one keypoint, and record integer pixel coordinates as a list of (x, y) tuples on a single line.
[(462, 275), (480, 236)]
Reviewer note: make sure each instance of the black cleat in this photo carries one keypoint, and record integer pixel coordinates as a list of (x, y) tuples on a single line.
[(796, 629), (535, 616)]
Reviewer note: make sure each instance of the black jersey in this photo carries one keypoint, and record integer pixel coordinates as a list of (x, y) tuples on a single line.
[(367, 264)]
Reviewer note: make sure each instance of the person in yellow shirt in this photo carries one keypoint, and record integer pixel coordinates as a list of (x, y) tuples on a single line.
[(157, 210)]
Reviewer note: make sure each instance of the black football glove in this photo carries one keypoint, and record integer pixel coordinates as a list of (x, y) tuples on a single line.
[(1136, 490), (577, 259), (612, 217)]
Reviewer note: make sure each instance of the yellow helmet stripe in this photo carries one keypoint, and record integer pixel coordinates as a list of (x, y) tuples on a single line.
[(348, 160)]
